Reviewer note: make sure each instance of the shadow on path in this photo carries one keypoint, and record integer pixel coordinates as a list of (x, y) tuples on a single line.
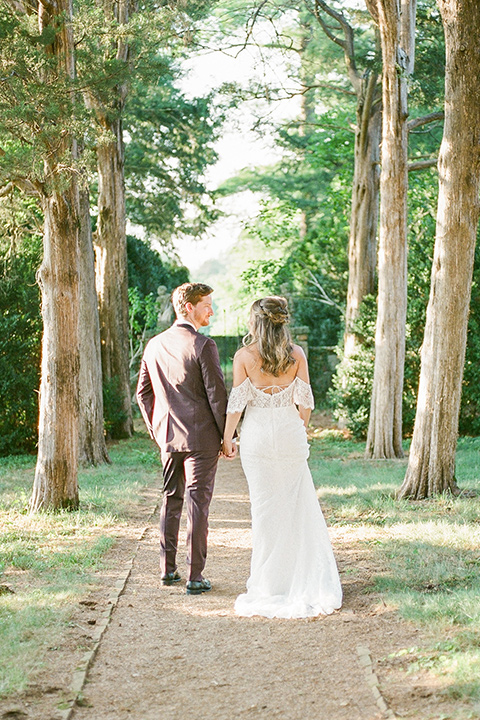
[(169, 656)]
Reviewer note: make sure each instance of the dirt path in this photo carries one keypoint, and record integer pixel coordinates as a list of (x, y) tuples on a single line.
[(138, 651), (172, 656)]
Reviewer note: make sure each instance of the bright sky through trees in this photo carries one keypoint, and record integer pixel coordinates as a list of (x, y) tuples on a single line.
[(239, 146)]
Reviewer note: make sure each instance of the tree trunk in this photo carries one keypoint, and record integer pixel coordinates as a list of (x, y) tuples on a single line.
[(111, 273), (362, 243), (56, 484), (384, 439), (307, 110), (431, 467), (92, 448), (111, 242)]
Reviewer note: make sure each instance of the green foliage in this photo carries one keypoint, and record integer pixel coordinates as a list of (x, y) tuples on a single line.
[(143, 313), (114, 414), (151, 280), (304, 224), (147, 270), (20, 326), (170, 144), (309, 187), (312, 184), (353, 380), (428, 83), (168, 138), (36, 114), (470, 407), (352, 383), (350, 395)]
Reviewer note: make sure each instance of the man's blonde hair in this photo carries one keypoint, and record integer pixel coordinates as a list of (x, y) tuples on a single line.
[(188, 293)]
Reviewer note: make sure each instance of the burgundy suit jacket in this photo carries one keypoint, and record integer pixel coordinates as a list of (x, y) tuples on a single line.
[(181, 391)]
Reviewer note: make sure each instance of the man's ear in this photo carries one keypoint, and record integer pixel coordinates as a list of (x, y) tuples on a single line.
[(188, 307)]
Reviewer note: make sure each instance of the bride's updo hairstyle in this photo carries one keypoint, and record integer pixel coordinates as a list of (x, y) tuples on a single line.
[(268, 328)]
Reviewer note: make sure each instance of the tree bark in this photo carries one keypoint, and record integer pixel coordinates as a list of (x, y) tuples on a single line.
[(92, 447), (362, 242), (110, 242), (384, 439), (56, 484), (307, 106), (111, 273), (431, 467)]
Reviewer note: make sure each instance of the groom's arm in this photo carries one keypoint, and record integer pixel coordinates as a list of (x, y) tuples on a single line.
[(213, 382), (145, 396)]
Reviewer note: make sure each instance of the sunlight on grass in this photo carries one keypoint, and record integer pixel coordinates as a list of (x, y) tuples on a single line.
[(429, 550), (27, 627), (455, 660), (48, 559)]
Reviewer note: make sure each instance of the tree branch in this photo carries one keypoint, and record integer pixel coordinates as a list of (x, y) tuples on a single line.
[(422, 164), (323, 295), (23, 184), (250, 24), (49, 6), (17, 6), (418, 122), (283, 93), (24, 7), (6, 190), (347, 43), (326, 29), (367, 109), (372, 9)]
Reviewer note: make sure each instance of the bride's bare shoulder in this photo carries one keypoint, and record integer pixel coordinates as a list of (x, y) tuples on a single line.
[(301, 364), (243, 364), (298, 353), (247, 354)]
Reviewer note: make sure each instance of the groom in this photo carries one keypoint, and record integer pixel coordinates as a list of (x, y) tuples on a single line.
[(181, 394)]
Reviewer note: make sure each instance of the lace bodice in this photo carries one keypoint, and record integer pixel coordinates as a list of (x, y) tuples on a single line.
[(297, 393)]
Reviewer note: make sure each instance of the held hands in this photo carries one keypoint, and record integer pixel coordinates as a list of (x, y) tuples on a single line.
[(229, 449)]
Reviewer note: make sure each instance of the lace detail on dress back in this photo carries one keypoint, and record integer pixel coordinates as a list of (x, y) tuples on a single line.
[(297, 393), (302, 394), (239, 396)]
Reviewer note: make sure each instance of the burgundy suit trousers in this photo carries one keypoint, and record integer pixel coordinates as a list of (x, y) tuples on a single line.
[(189, 475)]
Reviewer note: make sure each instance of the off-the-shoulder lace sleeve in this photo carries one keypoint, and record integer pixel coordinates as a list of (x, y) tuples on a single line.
[(239, 397), (302, 394)]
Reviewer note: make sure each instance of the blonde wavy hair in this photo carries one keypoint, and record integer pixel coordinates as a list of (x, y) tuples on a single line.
[(268, 328)]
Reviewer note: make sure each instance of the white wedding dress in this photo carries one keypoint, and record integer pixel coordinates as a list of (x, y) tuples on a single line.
[(293, 570)]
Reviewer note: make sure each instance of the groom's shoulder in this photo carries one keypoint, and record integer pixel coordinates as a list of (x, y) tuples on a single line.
[(180, 335), (160, 340)]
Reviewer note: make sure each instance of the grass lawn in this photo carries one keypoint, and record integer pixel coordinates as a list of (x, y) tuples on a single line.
[(47, 559), (431, 549)]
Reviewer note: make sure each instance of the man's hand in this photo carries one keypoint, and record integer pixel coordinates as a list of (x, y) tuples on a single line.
[(229, 449)]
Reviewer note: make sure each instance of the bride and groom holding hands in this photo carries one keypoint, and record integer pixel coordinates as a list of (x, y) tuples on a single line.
[(181, 394)]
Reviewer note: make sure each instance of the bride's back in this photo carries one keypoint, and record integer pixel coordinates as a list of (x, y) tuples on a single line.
[(250, 360)]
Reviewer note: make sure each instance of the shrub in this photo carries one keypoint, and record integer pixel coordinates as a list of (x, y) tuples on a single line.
[(352, 382), (20, 342)]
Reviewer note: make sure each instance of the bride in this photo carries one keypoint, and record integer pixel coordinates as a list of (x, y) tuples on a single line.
[(293, 571)]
